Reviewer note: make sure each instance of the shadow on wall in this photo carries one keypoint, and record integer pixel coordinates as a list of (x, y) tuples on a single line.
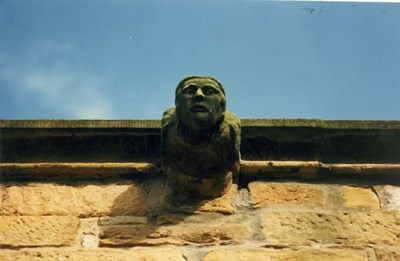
[(142, 217)]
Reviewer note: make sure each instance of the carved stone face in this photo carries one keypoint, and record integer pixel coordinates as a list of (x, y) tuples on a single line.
[(200, 103)]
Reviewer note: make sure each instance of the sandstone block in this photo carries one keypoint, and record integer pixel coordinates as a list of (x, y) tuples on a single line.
[(121, 220), (89, 232), (287, 254), (223, 204), (389, 196), (200, 218), (90, 241), (148, 254), (360, 198), (180, 234), (82, 201), (38, 231), (266, 193), (387, 253), (352, 228)]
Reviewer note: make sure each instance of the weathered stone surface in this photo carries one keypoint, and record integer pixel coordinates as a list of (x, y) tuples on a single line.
[(242, 199), (173, 219), (95, 254), (352, 228), (38, 231), (360, 198), (60, 168), (223, 204), (200, 140), (266, 193), (389, 196), (305, 169), (89, 232), (387, 253), (82, 201), (181, 234), (90, 241), (122, 220), (287, 254)]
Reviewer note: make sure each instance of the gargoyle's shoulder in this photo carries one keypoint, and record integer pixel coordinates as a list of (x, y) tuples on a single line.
[(234, 126), (233, 121), (169, 117)]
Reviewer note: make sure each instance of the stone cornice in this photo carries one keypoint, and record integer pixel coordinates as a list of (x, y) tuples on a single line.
[(126, 141), (156, 124)]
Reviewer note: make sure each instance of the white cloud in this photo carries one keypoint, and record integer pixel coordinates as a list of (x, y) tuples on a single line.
[(48, 76)]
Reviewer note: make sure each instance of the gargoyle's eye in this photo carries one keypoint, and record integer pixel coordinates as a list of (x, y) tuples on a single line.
[(209, 90), (190, 90)]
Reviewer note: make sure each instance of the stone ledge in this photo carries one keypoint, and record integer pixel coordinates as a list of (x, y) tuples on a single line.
[(80, 124), (311, 169), (56, 168), (156, 124), (249, 170)]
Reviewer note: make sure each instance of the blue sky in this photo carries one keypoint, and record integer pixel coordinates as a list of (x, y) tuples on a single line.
[(79, 59)]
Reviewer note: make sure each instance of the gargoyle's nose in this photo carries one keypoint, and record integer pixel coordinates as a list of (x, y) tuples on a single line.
[(199, 92)]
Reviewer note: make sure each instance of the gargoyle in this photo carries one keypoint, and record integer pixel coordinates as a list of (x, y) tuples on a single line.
[(200, 140)]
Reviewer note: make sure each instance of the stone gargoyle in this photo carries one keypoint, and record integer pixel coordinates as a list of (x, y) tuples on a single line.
[(200, 140)]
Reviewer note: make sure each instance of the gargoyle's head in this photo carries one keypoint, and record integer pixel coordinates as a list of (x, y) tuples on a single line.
[(200, 102)]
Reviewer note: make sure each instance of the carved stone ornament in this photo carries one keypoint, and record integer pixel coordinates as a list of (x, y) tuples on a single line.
[(200, 140)]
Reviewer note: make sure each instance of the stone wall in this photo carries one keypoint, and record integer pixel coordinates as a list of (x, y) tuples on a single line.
[(266, 220), (270, 216)]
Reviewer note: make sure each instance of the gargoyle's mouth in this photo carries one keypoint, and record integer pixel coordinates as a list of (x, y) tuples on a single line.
[(199, 108)]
